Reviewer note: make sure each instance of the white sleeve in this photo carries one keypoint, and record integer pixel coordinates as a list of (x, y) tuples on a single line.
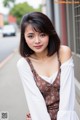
[(67, 92), (35, 101)]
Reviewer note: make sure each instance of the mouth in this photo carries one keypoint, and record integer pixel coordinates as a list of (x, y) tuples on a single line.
[(38, 46)]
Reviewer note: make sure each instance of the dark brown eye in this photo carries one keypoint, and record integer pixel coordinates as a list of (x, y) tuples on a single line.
[(42, 34), (30, 36)]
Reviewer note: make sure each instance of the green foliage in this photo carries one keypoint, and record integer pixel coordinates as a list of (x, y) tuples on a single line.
[(20, 9), (6, 3)]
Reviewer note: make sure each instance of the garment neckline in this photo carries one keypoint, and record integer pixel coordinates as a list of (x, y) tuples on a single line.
[(44, 76), (36, 74)]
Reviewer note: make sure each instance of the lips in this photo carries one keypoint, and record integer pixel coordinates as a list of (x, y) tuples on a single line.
[(38, 46)]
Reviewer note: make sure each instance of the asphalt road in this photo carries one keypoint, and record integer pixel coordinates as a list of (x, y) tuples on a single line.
[(8, 45), (12, 98)]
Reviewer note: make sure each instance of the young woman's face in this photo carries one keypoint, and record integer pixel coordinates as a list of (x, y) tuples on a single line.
[(36, 41)]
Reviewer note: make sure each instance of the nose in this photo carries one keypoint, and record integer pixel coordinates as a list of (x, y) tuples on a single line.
[(37, 39)]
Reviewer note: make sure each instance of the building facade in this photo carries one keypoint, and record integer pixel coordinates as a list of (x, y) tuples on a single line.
[(65, 15)]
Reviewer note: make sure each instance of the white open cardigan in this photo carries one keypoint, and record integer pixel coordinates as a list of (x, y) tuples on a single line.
[(34, 98)]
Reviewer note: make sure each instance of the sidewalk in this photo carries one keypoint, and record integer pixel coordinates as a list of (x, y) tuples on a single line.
[(12, 98)]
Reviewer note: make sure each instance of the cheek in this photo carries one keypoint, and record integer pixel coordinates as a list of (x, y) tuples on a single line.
[(46, 40), (27, 40), (29, 43)]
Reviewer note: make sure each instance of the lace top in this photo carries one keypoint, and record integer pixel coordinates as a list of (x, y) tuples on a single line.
[(50, 92)]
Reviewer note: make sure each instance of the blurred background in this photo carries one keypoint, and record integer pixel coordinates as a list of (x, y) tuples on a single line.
[(66, 20)]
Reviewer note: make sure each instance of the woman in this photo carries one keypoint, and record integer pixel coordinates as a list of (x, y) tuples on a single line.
[(46, 69)]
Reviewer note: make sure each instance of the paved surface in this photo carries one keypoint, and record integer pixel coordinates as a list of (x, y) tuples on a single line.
[(12, 98)]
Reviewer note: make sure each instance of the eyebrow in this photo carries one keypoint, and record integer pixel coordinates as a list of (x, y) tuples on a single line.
[(30, 33)]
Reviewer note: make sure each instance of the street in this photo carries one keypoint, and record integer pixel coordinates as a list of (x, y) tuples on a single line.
[(8, 45), (12, 98)]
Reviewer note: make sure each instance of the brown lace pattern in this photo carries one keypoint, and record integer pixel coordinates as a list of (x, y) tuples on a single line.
[(50, 92)]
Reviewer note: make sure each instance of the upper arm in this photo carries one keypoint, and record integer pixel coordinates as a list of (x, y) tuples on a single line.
[(67, 80), (64, 53), (27, 76)]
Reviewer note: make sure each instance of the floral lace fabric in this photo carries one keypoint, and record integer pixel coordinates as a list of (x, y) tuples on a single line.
[(50, 92)]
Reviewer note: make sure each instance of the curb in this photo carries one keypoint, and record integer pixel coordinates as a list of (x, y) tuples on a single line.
[(7, 58)]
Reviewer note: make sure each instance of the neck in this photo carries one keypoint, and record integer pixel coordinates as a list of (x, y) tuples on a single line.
[(41, 56)]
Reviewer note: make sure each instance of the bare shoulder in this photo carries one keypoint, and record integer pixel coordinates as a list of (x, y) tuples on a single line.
[(64, 53)]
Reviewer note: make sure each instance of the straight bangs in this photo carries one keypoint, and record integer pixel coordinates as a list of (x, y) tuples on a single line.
[(41, 28), (36, 26)]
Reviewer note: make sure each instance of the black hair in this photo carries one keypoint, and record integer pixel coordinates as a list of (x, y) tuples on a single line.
[(40, 23)]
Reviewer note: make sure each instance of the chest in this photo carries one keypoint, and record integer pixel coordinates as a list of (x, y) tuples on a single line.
[(46, 68)]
